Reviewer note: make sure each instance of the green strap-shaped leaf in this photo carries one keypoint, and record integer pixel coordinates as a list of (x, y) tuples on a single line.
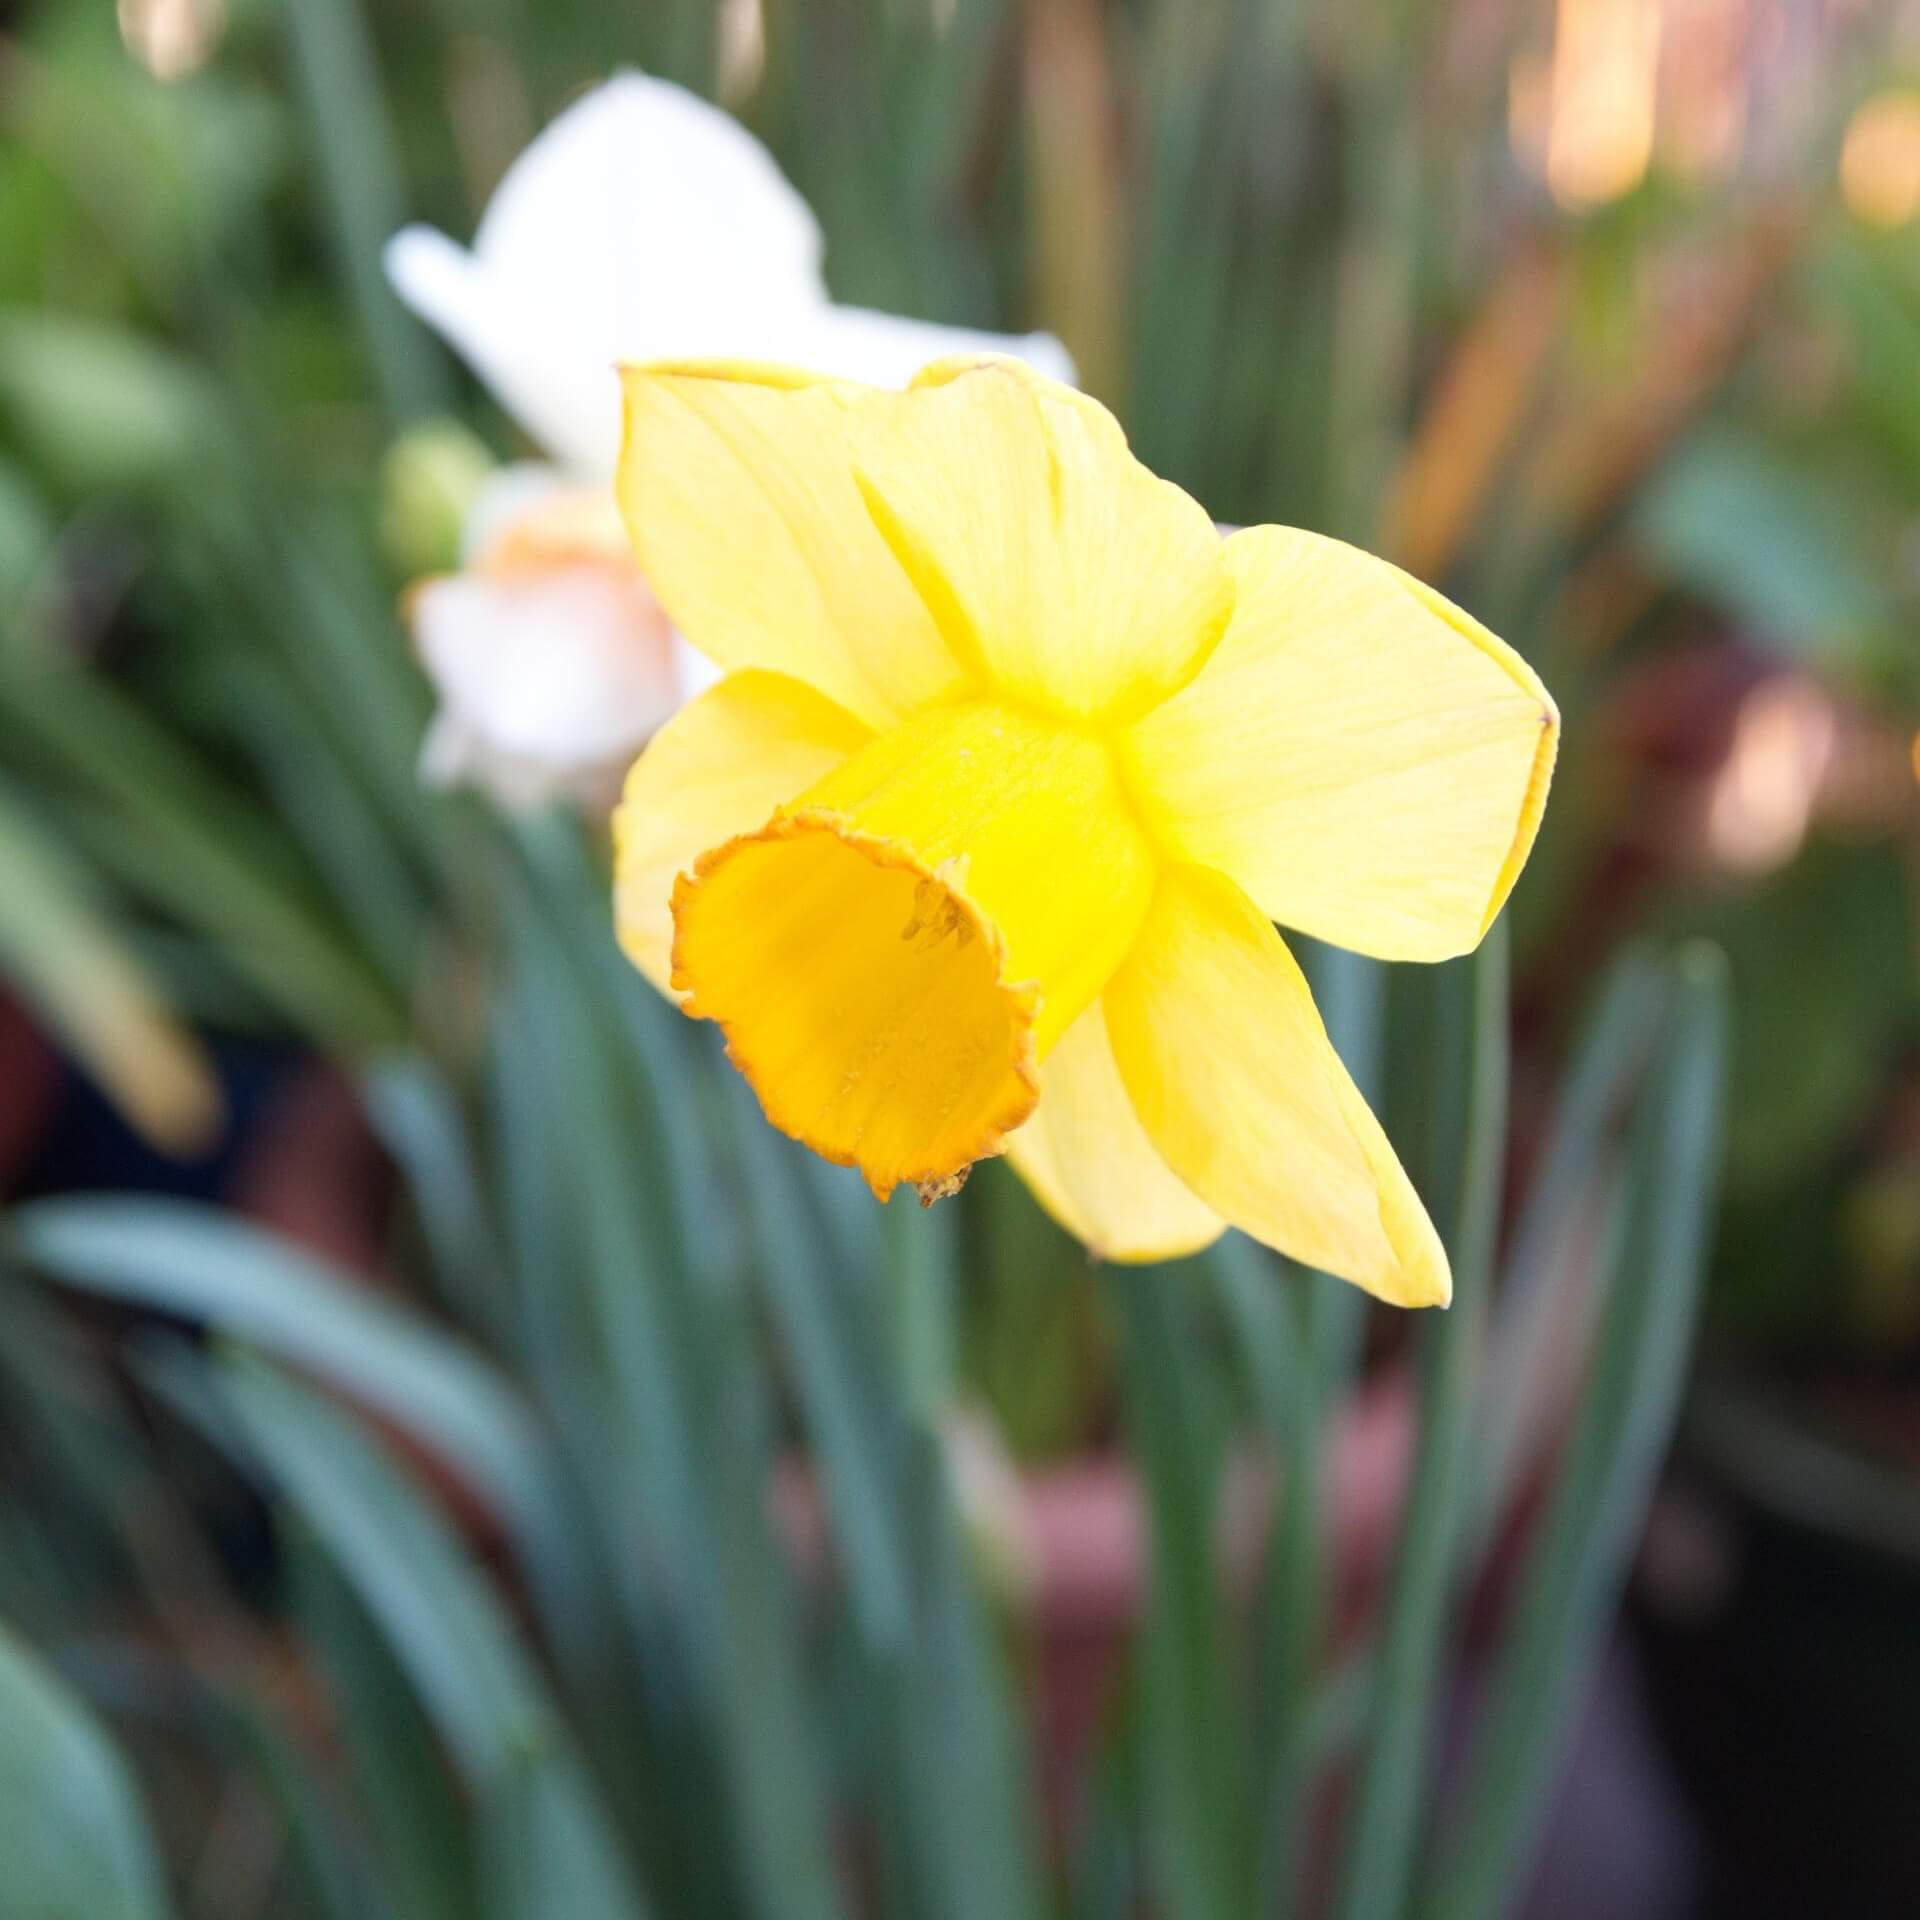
[(856, 1435), (450, 1634), (1468, 1106), (1192, 1775), (74, 1841), (1302, 1333), (416, 1816), (1540, 1285), (180, 1258), (628, 1307), (1625, 1415)]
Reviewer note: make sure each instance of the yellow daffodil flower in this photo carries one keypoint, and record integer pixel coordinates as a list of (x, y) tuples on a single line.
[(979, 844)]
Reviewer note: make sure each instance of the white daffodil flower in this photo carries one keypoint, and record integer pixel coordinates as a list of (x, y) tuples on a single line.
[(642, 224)]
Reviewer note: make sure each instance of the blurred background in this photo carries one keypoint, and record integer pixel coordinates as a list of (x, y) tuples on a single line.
[(454, 1459)]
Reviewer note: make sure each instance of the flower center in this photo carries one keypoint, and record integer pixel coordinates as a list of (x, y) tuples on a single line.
[(893, 954)]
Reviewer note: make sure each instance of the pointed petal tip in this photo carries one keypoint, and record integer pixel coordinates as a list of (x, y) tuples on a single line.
[(427, 270)]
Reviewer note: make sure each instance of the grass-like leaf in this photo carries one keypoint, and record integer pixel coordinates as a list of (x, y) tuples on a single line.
[(1191, 1766), (176, 1257), (1469, 1099), (448, 1631), (73, 1835), (1626, 1413)]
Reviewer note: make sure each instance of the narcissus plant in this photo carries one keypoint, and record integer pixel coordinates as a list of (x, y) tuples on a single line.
[(979, 844)]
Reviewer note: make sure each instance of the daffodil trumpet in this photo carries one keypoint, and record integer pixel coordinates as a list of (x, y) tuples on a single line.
[(979, 844)]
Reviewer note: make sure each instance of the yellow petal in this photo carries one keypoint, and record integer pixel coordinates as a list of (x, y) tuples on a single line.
[(1090, 1164), (719, 767), (1060, 570), (895, 952), (737, 492), (1237, 1084), (1365, 759)]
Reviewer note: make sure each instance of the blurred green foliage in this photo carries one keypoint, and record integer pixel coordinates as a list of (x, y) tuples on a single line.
[(575, 1660), (76, 1838)]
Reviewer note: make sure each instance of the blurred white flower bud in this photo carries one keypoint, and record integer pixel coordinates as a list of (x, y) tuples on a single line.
[(552, 661)]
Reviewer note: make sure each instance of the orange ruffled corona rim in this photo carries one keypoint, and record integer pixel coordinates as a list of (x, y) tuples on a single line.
[(890, 1038)]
